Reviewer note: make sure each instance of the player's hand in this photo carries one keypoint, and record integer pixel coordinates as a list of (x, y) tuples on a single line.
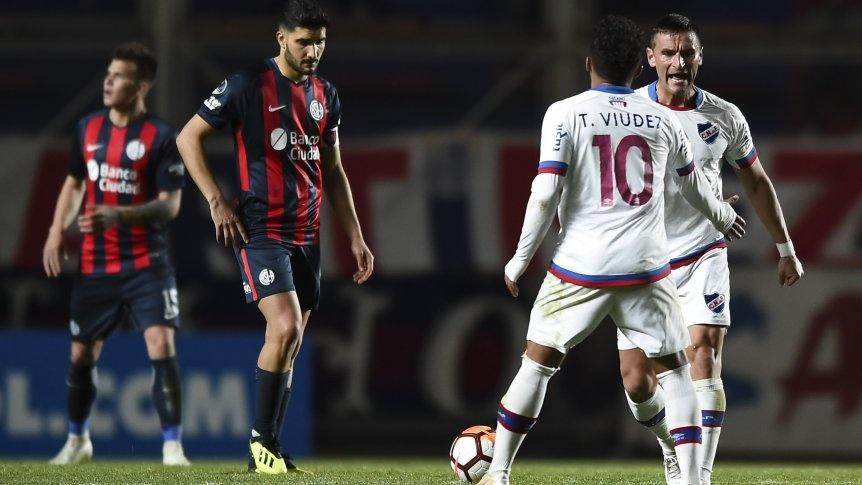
[(229, 230), (737, 229), (364, 260), (98, 218), (789, 270), (511, 286), (51, 252)]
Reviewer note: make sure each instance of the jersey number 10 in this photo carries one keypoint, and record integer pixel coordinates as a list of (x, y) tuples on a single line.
[(613, 168)]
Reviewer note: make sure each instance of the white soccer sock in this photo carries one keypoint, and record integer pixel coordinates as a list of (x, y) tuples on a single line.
[(651, 414), (710, 396), (683, 420), (518, 411)]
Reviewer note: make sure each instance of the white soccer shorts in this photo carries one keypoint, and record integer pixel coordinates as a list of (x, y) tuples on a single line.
[(564, 314), (704, 293)]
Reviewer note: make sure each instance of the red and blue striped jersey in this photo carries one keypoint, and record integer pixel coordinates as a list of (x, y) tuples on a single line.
[(278, 126), (122, 167)]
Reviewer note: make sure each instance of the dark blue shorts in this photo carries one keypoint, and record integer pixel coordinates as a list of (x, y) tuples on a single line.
[(271, 267), (142, 298)]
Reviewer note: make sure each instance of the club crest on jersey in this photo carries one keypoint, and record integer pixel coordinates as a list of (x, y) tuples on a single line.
[(135, 149), (715, 302), (618, 101), (266, 277), (316, 110), (708, 132), (220, 88)]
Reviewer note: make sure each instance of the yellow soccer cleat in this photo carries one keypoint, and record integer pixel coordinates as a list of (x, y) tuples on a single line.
[(292, 468), (258, 460), (266, 457)]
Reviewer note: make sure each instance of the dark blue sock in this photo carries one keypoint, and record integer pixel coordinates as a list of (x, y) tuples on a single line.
[(285, 400), (167, 395), (80, 394), (269, 393)]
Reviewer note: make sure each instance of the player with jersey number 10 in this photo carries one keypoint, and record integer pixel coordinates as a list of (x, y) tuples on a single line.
[(603, 159)]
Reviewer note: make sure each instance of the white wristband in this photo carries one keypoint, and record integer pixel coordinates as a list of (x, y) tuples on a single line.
[(785, 249)]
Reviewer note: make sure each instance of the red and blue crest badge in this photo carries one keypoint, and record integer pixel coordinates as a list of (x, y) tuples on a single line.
[(708, 132), (715, 302)]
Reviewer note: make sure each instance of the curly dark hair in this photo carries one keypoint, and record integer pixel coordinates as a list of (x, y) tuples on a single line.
[(617, 49), (141, 56), (673, 23), (303, 13)]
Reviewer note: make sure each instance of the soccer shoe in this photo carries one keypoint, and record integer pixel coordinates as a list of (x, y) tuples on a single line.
[(173, 455), (77, 449), (495, 478), (672, 473), (288, 462), (266, 456)]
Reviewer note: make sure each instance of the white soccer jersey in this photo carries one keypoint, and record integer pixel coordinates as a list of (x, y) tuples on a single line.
[(613, 147), (717, 131)]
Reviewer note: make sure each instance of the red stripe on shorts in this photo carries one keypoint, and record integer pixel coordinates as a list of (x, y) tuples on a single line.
[(247, 270)]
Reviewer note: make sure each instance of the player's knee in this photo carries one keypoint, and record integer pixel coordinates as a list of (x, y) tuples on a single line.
[(85, 353), (704, 357), (160, 342), (284, 331), (638, 383)]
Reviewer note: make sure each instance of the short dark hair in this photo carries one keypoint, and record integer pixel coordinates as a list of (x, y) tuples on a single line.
[(674, 23), (617, 49), (303, 13), (141, 56)]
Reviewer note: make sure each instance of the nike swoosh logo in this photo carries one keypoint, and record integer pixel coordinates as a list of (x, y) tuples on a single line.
[(93, 147), (271, 109)]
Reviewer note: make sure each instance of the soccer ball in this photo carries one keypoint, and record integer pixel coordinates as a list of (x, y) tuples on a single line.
[(471, 452)]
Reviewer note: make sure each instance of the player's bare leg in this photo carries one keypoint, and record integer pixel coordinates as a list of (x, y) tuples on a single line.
[(283, 331), (520, 408), (705, 357), (647, 402), (167, 391), (284, 326), (80, 395)]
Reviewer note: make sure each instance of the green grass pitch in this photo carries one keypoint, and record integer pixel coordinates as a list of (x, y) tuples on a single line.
[(420, 471)]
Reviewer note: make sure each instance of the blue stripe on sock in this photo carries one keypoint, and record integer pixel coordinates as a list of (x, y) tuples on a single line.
[(649, 423), (686, 434), (172, 433), (79, 427), (514, 422), (712, 419)]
